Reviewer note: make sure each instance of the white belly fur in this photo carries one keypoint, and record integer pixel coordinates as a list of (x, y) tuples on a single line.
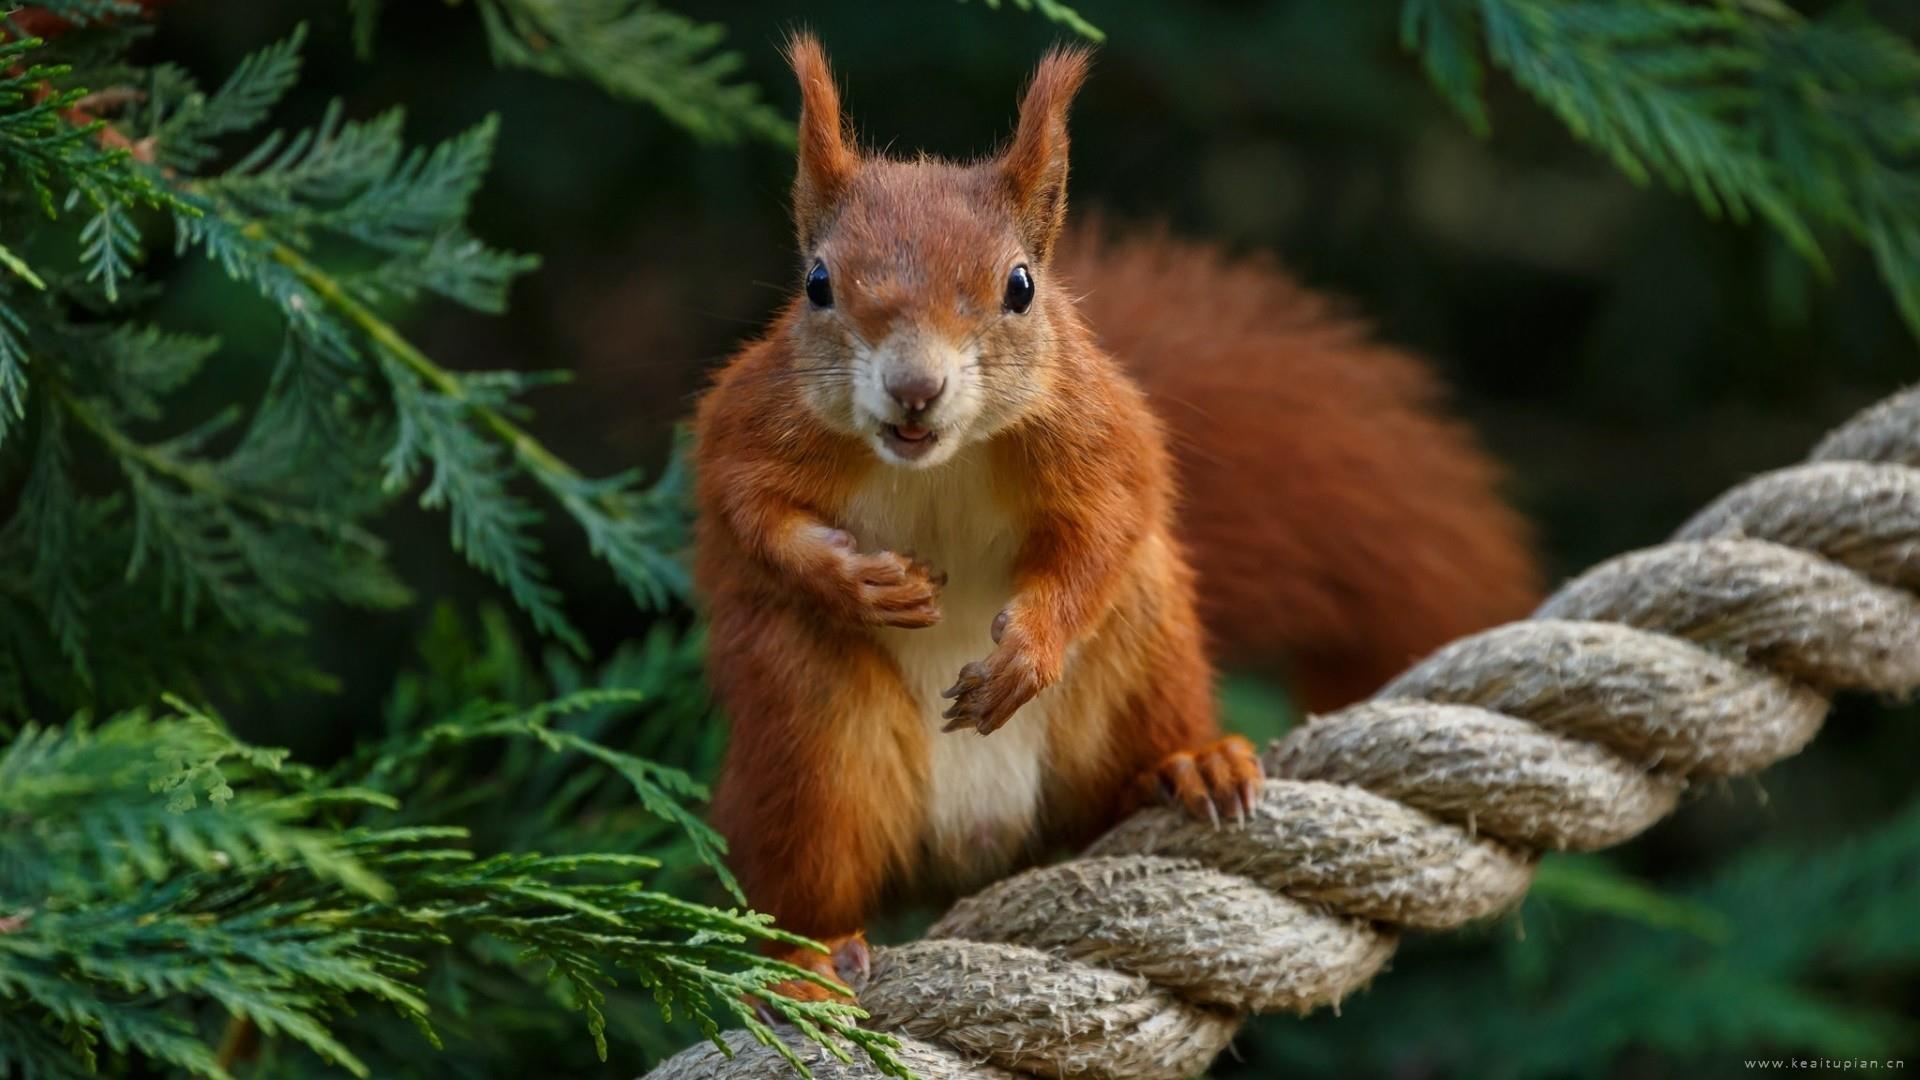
[(985, 791)]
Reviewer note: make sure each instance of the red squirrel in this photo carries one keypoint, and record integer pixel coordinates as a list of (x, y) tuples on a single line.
[(947, 559)]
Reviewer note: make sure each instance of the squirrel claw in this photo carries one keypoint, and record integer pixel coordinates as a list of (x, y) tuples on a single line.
[(989, 691), (970, 678), (1217, 781)]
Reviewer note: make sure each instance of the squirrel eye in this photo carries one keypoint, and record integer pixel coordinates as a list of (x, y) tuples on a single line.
[(819, 289), (1019, 290)]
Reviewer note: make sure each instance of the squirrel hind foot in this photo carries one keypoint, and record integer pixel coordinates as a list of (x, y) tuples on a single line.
[(1216, 782), (847, 962)]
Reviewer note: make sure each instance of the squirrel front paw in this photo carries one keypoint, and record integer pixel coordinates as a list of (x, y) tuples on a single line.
[(1219, 780), (989, 691), (883, 588)]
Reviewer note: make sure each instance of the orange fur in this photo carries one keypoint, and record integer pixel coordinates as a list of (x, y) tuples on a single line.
[(1340, 522), (825, 164), (1034, 167), (1010, 527)]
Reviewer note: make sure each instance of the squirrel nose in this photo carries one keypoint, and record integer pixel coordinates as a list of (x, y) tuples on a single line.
[(915, 390)]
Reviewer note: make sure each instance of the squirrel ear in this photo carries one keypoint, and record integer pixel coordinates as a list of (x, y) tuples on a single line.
[(1034, 166), (826, 163)]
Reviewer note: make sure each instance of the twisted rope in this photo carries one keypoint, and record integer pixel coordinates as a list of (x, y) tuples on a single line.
[(1427, 806)]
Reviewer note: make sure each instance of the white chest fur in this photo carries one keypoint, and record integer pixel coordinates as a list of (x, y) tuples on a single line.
[(985, 790)]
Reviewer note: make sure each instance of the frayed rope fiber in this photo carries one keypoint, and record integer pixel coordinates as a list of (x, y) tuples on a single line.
[(1426, 807)]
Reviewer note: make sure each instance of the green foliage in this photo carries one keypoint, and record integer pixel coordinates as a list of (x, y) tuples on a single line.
[(1057, 12), (639, 796), (1749, 108), (496, 860), (159, 878), (52, 160), (638, 51), (632, 49), (532, 796), (84, 819), (249, 515), (1589, 884)]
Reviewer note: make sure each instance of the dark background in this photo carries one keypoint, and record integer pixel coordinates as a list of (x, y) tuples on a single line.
[(1627, 357)]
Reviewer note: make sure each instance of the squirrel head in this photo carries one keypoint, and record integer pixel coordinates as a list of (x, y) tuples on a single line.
[(928, 318)]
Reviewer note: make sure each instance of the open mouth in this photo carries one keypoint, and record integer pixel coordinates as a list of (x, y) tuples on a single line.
[(907, 441)]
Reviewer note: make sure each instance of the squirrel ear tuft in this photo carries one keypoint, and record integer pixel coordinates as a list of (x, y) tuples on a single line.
[(826, 162), (1034, 166)]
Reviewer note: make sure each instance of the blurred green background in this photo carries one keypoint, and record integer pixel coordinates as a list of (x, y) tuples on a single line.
[(1625, 356)]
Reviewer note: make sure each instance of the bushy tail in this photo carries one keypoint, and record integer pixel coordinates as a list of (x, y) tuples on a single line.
[(1341, 524)]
